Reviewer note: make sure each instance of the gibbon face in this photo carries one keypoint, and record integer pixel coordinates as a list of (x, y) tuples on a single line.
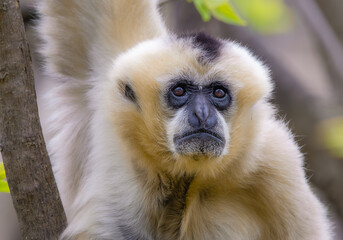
[(185, 103)]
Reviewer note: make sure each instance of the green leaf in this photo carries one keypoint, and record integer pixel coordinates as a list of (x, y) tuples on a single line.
[(2, 172), (3, 184), (265, 16), (224, 11), (331, 132), (203, 10), (220, 9), (4, 187)]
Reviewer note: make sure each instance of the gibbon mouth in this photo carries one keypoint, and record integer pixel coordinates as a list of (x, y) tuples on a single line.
[(201, 136), (200, 141), (201, 133)]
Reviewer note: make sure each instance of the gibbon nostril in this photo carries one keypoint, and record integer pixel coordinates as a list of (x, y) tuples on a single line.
[(201, 113)]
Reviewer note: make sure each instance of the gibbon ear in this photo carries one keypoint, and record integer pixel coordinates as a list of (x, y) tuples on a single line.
[(127, 91)]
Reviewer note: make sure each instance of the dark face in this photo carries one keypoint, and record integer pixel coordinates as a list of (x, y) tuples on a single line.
[(201, 105)]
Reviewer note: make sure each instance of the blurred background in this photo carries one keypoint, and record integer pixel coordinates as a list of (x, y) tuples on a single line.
[(301, 41)]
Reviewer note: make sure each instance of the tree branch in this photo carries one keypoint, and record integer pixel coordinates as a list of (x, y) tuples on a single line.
[(29, 174)]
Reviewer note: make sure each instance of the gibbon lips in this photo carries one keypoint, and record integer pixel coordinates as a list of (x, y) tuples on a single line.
[(199, 142)]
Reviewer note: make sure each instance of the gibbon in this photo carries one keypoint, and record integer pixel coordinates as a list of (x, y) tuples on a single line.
[(154, 135)]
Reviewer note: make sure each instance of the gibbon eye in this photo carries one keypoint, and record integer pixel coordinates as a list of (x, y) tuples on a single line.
[(179, 94), (220, 96), (219, 93), (179, 91)]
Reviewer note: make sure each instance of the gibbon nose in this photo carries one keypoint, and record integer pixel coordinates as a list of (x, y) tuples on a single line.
[(202, 114)]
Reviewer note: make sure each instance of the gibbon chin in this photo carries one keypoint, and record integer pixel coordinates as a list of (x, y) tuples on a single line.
[(154, 135)]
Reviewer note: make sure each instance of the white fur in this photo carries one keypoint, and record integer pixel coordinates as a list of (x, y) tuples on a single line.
[(255, 190)]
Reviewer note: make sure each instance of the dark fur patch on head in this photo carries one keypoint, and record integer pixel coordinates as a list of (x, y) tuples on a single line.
[(210, 46)]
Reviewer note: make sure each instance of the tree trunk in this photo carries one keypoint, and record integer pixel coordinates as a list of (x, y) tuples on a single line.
[(29, 174)]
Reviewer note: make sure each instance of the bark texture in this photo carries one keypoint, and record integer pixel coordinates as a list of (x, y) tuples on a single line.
[(29, 174)]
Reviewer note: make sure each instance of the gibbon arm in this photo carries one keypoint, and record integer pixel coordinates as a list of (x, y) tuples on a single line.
[(82, 35)]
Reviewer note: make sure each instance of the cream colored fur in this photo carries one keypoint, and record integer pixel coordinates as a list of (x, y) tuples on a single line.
[(114, 161)]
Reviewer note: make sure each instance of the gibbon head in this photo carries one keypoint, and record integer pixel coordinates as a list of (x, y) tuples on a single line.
[(184, 104)]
